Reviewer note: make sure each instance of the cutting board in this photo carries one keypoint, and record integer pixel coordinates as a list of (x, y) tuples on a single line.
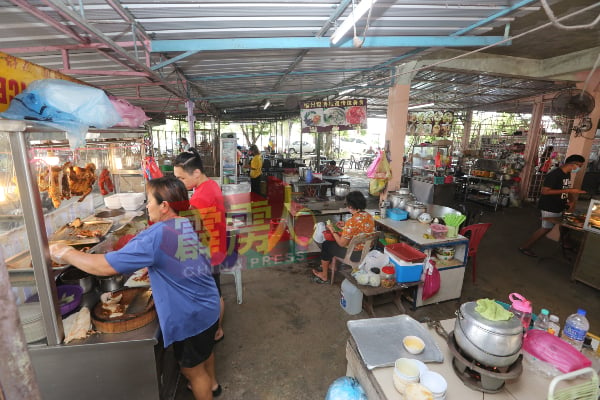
[(126, 322)]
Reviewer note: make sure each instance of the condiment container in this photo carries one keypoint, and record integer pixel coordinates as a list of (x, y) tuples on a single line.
[(388, 276)]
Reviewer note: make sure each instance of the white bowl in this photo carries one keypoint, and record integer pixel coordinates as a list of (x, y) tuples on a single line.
[(405, 371), (413, 344), (434, 382), (422, 366)]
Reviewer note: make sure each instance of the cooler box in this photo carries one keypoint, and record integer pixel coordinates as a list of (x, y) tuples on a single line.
[(407, 261)]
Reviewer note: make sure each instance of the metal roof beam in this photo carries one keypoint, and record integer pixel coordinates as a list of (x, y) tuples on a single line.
[(161, 46)]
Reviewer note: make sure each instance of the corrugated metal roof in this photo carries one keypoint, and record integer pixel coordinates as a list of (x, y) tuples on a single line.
[(231, 66)]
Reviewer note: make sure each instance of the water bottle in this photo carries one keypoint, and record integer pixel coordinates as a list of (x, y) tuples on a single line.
[(575, 329), (521, 308), (542, 320), (554, 325)]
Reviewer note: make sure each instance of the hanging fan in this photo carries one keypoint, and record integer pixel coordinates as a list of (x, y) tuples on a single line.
[(572, 104)]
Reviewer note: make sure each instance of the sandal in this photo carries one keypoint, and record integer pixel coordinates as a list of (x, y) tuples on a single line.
[(316, 279), (216, 393), (316, 274), (527, 252)]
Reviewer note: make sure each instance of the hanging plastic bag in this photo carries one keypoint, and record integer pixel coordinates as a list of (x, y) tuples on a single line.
[(376, 186), (384, 171), (151, 169), (432, 280), (372, 170), (131, 115)]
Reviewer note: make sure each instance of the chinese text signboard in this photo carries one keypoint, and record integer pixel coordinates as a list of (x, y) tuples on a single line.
[(323, 115)]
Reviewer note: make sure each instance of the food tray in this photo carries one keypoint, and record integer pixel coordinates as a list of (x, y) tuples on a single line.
[(73, 236), (379, 340), (405, 252)]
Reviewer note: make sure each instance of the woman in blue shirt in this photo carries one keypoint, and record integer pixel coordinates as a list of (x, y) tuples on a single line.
[(185, 294)]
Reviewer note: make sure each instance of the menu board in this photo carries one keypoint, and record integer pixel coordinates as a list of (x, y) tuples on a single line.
[(435, 123), (323, 115)]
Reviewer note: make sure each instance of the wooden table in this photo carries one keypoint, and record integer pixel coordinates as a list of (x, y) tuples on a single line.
[(373, 296), (378, 383)]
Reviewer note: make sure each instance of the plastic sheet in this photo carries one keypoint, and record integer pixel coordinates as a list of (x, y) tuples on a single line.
[(346, 388)]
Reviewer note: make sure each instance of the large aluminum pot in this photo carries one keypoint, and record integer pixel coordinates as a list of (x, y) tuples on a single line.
[(415, 208), (341, 189), (75, 276), (400, 198), (492, 343)]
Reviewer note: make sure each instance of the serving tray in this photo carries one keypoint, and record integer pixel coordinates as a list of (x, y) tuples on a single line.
[(379, 340), (73, 236)]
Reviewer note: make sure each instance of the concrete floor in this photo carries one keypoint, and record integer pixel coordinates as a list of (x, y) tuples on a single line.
[(287, 340)]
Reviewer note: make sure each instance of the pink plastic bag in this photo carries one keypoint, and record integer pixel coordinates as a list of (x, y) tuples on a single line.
[(131, 115), (432, 280), (372, 170), (553, 350)]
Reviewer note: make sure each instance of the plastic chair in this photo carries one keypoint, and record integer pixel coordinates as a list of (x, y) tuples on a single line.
[(475, 233), (368, 239), (232, 264), (581, 389)]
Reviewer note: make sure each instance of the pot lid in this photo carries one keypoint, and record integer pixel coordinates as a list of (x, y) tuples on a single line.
[(510, 327)]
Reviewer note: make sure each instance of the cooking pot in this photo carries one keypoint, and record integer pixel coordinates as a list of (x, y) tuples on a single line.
[(492, 343), (110, 283), (75, 276), (341, 189), (400, 198), (415, 208)]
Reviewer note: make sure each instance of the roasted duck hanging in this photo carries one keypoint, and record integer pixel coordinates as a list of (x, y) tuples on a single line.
[(105, 183), (81, 180), (54, 191), (66, 189)]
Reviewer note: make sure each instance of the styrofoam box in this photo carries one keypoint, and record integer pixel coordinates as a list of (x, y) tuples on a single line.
[(113, 202), (405, 271)]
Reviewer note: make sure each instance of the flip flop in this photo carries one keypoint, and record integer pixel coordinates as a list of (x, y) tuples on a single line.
[(316, 279), (316, 275), (216, 393), (527, 252)]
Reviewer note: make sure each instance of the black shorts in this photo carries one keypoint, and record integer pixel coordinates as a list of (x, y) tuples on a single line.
[(217, 278), (196, 349)]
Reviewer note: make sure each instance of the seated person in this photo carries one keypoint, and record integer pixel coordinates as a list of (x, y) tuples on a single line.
[(331, 169), (360, 222)]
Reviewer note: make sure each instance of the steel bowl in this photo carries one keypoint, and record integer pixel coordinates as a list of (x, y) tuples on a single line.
[(492, 343), (415, 208), (110, 283), (341, 189)]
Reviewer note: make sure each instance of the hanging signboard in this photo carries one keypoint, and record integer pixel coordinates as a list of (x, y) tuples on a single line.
[(16, 74), (323, 115)]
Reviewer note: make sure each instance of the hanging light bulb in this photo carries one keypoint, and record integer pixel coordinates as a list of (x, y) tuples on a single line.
[(51, 159)]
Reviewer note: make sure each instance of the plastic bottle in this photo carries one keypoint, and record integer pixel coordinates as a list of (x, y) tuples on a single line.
[(521, 308), (542, 320), (576, 327), (554, 325)]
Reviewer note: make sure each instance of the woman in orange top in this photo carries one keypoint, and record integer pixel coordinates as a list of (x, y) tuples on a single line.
[(360, 222)]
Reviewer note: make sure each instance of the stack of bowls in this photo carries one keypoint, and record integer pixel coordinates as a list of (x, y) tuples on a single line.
[(132, 201), (408, 372), (405, 371), (436, 384)]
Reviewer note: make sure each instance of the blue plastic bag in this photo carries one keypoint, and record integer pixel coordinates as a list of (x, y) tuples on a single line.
[(64, 105), (346, 388)]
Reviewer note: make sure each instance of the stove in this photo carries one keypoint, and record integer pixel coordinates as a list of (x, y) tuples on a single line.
[(478, 376)]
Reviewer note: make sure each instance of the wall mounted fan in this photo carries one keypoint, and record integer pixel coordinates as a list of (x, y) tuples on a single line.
[(572, 104)]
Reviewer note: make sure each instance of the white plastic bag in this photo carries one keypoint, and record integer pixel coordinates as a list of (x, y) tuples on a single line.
[(375, 259), (318, 236)]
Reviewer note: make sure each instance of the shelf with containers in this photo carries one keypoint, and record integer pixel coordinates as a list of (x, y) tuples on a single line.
[(489, 182), (63, 370), (452, 269), (427, 172)]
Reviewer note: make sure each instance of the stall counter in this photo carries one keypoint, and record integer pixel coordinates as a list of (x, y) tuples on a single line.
[(378, 383)]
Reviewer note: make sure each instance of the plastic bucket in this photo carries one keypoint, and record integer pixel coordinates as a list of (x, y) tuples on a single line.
[(351, 298)]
